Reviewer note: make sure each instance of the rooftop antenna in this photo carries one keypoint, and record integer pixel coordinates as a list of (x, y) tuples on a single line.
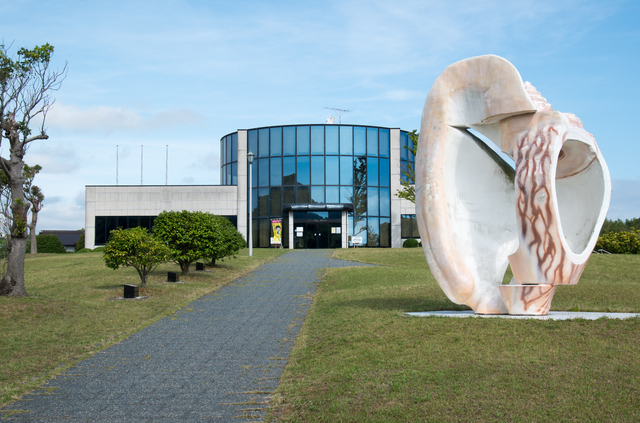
[(141, 161), (166, 173), (340, 112), (116, 164)]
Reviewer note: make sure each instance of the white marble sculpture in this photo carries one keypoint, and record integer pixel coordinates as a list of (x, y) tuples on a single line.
[(476, 214)]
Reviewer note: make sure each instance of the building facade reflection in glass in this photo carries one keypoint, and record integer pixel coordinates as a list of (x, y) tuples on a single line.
[(318, 164)]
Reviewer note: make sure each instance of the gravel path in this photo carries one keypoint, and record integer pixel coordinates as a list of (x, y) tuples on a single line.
[(217, 359)]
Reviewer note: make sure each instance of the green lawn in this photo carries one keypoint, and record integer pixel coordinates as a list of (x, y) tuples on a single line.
[(359, 358), (70, 312)]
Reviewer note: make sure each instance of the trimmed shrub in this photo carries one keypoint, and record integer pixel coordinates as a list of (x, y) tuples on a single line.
[(410, 243), (80, 243), (47, 244)]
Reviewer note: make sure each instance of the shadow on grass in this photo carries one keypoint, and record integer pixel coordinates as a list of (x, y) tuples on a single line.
[(402, 304)]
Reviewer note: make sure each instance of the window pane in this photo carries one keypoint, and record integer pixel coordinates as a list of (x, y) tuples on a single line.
[(385, 232), (289, 196), (229, 170), (317, 170), (403, 144), (253, 142), (276, 171), (333, 194), (264, 173), (289, 170), (276, 141), (276, 201), (346, 141), (263, 202), (372, 141), (317, 195), (289, 140), (101, 230), (234, 173), (254, 173), (415, 232), (360, 228), (303, 195), (384, 142), (373, 232), (360, 201), (385, 202), (346, 170), (405, 226), (223, 154), (317, 139), (333, 170), (403, 170), (303, 170), (228, 149), (254, 199), (359, 141), (255, 231), (346, 195), (372, 202), (331, 135), (265, 233), (303, 140), (359, 170), (384, 173), (234, 147), (263, 142), (372, 171)]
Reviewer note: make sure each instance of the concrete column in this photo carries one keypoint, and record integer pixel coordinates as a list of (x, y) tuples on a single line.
[(396, 238), (345, 234), (243, 184), (90, 217), (291, 228)]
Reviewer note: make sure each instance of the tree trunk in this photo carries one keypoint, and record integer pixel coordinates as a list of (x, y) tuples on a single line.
[(13, 282), (32, 232)]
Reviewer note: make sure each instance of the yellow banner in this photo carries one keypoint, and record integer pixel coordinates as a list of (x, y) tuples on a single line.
[(277, 231)]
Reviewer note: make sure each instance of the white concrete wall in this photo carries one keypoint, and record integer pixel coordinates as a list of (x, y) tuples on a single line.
[(151, 200), (396, 203)]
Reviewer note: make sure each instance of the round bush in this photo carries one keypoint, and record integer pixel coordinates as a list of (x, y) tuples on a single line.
[(410, 243), (47, 244), (80, 243)]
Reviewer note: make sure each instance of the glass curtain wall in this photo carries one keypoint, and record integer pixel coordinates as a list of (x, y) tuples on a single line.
[(318, 164)]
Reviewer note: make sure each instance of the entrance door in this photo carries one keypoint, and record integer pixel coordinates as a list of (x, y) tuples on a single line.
[(316, 235)]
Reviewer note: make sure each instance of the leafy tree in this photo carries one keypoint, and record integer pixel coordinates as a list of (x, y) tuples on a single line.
[(629, 225), (34, 195), (225, 239), (187, 234), (135, 247), (408, 190), (26, 84)]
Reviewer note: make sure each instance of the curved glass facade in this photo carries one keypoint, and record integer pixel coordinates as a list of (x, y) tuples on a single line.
[(318, 165)]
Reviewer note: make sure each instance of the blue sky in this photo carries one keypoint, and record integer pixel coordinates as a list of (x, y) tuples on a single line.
[(186, 73)]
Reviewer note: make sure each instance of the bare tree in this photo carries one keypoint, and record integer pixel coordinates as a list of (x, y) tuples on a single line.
[(35, 197), (26, 84)]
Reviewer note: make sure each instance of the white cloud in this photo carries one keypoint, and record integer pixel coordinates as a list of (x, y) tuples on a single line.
[(53, 158), (110, 119)]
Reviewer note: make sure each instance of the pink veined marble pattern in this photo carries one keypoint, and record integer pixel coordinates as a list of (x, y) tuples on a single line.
[(473, 221)]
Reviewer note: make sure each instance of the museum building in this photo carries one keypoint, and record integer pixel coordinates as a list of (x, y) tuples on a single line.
[(329, 185)]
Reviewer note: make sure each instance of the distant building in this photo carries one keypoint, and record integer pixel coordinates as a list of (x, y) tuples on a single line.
[(326, 183), (68, 238)]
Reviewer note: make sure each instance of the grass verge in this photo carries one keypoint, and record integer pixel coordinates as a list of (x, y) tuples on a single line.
[(70, 313), (358, 358)]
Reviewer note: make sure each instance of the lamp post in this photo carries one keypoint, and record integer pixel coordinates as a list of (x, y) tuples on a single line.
[(250, 157)]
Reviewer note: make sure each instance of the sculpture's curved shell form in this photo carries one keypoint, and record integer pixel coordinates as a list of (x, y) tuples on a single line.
[(476, 214)]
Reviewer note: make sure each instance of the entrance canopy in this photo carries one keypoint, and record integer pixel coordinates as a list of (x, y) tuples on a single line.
[(317, 207)]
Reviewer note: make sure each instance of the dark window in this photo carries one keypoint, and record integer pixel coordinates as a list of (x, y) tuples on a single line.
[(409, 226)]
